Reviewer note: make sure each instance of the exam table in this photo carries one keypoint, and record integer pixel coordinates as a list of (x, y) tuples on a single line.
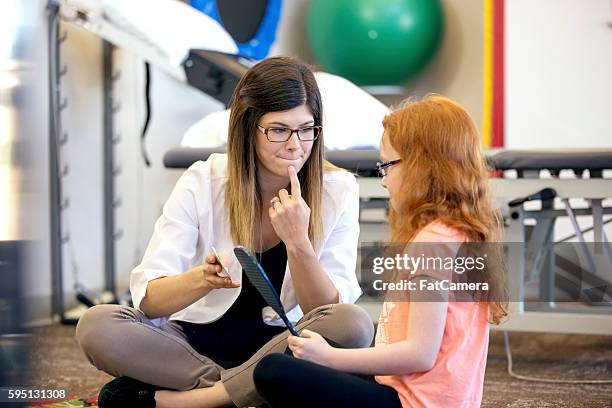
[(539, 185)]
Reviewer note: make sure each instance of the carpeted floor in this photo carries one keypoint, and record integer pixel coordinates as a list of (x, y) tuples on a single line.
[(57, 362)]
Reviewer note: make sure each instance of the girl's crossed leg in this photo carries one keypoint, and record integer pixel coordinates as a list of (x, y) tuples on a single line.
[(285, 381)]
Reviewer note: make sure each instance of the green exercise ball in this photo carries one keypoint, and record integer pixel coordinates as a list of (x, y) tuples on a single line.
[(375, 42)]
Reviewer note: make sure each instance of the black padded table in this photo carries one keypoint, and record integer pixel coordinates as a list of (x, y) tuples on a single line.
[(363, 161), (183, 157), (554, 160)]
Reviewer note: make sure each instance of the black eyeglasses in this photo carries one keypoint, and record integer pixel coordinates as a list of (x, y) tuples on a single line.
[(383, 167), (282, 134)]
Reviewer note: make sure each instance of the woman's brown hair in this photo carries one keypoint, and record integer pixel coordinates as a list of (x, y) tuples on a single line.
[(273, 85), (445, 178)]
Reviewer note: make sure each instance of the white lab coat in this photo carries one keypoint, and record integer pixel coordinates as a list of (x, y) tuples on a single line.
[(194, 219)]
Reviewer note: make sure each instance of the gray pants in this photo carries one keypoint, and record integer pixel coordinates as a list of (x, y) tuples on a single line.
[(122, 341)]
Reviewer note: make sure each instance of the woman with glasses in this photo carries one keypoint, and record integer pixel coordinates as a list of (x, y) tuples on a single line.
[(198, 327)]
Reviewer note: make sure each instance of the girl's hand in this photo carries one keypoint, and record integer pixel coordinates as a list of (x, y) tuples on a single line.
[(312, 347), (210, 269), (289, 214)]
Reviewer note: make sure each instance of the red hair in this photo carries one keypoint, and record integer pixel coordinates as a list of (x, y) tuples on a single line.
[(445, 178)]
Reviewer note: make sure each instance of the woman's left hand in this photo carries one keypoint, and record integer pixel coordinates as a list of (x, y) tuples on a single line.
[(289, 214), (312, 347)]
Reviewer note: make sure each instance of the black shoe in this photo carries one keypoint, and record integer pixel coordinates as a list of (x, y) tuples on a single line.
[(127, 392)]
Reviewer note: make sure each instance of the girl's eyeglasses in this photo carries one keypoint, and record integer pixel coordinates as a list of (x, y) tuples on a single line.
[(383, 168)]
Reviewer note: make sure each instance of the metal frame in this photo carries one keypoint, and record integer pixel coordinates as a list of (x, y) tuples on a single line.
[(109, 170), (58, 202), (55, 192), (548, 318)]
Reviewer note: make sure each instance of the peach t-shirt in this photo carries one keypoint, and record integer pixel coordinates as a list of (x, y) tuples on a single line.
[(456, 379)]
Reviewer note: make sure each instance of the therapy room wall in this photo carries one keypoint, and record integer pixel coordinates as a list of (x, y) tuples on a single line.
[(572, 79), (558, 83), (142, 190), (456, 71)]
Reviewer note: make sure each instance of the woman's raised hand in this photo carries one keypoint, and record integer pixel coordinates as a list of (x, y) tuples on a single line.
[(290, 215)]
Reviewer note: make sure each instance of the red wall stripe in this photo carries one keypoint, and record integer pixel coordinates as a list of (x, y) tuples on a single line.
[(497, 111)]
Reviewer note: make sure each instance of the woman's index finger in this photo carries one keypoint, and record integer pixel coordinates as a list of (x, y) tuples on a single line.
[(295, 183)]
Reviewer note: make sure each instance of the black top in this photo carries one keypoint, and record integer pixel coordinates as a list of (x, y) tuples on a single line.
[(240, 332)]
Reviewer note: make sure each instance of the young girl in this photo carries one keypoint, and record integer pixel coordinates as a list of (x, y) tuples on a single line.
[(427, 353)]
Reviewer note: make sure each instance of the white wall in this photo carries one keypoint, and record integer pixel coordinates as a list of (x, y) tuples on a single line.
[(558, 85), (558, 73), (83, 185), (144, 190)]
